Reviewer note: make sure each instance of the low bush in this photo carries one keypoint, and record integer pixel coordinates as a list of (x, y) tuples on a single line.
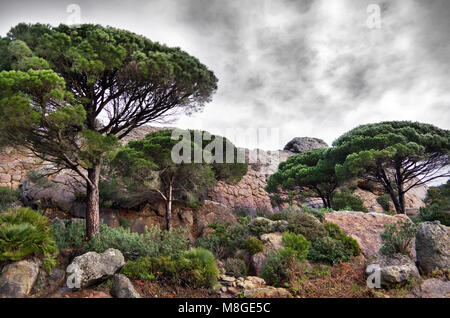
[(295, 246), (202, 268), (259, 227), (253, 245), (328, 250), (153, 242), (275, 272), (226, 238), (139, 269), (435, 213), (235, 267), (346, 200), (194, 268), (23, 233), (7, 197), (385, 202), (349, 243), (397, 238), (307, 225)]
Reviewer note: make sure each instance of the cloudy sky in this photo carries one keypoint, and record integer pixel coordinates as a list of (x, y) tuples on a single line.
[(300, 67)]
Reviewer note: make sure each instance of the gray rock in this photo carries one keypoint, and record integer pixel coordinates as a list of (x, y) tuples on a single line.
[(91, 268), (394, 269), (58, 193), (269, 292), (302, 144), (432, 288), (122, 287), (49, 283), (432, 246), (17, 279), (258, 261)]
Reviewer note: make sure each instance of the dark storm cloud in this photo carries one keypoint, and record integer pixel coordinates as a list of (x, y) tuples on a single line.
[(308, 67)]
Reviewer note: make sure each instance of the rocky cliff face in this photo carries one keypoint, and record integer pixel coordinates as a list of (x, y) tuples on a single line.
[(249, 192)]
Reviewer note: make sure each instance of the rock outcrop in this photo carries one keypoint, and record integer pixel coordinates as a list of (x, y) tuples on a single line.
[(431, 288), (17, 279), (393, 269), (91, 268), (365, 228), (302, 144), (267, 292), (122, 287), (433, 246)]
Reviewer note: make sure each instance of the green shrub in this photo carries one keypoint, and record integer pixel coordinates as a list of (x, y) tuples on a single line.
[(202, 268), (259, 227), (253, 245), (348, 201), (435, 213), (397, 238), (226, 238), (307, 225), (194, 268), (24, 232), (275, 271), (295, 246), (349, 243), (7, 197), (153, 242), (139, 269), (72, 235), (328, 250), (235, 267), (385, 202)]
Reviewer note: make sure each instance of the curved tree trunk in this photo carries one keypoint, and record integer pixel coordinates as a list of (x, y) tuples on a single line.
[(93, 204)]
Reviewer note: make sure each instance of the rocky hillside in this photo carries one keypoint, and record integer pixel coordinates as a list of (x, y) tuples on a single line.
[(249, 192)]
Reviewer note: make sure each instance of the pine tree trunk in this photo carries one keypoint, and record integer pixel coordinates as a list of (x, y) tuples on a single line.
[(169, 209), (93, 204)]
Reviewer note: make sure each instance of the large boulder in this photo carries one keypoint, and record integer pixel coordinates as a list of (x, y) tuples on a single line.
[(122, 287), (431, 288), (302, 144), (365, 228), (91, 268), (393, 269), (433, 246), (18, 278), (57, 192)]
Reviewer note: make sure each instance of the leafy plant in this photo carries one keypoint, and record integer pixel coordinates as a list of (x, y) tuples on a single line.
[(253, 245), (307, 225), (24, 232), (397, 238), (260, 226), (153, 242), (8, 196), (346, 200), (275, 271), (295, 246), (139, 269), (349, 243), (385, 202), (328, 250)]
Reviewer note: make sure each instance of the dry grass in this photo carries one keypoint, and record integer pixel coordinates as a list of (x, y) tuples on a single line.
[(344, 280)]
